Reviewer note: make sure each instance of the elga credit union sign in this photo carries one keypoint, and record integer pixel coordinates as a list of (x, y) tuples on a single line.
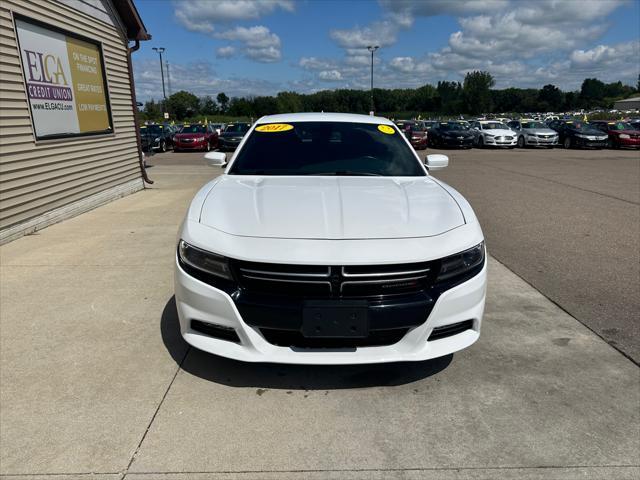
[(65, 82)]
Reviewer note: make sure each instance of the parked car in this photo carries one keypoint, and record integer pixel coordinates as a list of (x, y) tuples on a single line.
[(574, 133), (451, 134), (196, 137), (156, 137), (232, 135), (531, 133), (415, 133), (621, 134), (490, 133), (327, 241), (218, 127), (429, 124)]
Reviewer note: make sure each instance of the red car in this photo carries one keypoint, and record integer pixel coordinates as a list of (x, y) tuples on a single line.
[(621, 134), (415, 133), (196, 137)]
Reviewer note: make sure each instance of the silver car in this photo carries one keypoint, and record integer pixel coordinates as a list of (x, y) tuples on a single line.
[(532, 133)]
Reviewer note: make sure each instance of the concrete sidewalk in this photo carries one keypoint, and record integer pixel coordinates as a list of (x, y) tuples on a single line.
[(96, 382)]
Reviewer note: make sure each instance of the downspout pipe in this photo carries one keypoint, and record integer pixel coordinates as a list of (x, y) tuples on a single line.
[(134, 105)]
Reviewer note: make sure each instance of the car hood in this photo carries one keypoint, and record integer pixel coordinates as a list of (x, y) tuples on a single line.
[(590, 132), (540, 131), (330, 207), (190, 135), (499, 132), (458, 133), (232, 134)]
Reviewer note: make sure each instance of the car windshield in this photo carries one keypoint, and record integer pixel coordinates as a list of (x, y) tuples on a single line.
[(326, 148), (151, 130), (620, 126), (494, 126), (453, 126), (193, 129), (533, 125), (237, 128)]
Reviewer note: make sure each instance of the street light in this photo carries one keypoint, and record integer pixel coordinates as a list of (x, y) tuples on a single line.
[(372, 48), (164, 94)]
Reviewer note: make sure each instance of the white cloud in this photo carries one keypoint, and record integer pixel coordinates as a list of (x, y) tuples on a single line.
[(330, 75), (443, 7), (313, 63), (382, 33), (225, 52), (259, 43), (197, 77), (204, 15)]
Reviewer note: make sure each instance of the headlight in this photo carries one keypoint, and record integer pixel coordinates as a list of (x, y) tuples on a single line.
[(206, 261), (581, 136), (157, 139), (200, 139), (488, 135), (624, 135), (461, 266)]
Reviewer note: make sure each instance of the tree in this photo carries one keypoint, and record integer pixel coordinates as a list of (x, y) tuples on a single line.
[(223, 101), (208, 106), (592, 92), (476, 91), (449, 94), (182, 104), (152, 110), (550, 98)]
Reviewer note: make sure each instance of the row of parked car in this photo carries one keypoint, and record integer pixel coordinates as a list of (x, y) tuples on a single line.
[(197, 136), (521, 133)]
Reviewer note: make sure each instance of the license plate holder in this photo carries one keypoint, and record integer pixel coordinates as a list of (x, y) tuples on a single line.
[(335, 319)]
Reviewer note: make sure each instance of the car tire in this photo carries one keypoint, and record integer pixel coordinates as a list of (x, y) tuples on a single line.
[(521, 142), (163, 146), (480, 142), (567, 143)]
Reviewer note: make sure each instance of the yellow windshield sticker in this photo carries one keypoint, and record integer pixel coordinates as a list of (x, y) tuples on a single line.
[(274, 127), (386, 129)]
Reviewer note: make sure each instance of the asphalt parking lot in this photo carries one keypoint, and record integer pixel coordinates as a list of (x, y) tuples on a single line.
[(97, 383)]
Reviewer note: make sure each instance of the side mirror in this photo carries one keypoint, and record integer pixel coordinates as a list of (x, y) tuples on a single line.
[(215, 159), (436, 162)]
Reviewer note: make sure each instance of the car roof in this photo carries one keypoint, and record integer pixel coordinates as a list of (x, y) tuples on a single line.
[(324, 117), (490, 121)]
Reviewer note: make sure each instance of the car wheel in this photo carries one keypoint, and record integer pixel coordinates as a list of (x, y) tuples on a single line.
[(567, 142), (163, 146), (480, 142), (521, 142)]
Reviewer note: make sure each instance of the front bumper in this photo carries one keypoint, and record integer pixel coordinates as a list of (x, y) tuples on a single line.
[(182, 145), (196, 300), (586, 143), (500, 141), (457, 142), (541, 142)]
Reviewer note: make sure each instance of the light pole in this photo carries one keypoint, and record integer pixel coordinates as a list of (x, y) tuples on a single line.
[(164, 94), (372, 48)]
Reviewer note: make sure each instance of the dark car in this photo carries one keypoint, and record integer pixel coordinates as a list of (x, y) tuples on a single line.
[(429, 124), (196, 137), (451, 134), (415, 133), (578, 134), (232, 135), (621, 134), (156, 137)]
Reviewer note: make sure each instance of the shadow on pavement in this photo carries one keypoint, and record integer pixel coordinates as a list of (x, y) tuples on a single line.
[(288, 377)]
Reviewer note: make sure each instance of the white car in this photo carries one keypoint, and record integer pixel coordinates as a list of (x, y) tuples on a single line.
[(327, 241), (490, 133)]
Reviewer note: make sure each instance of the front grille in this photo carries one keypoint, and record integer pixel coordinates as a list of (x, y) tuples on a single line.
[(295, 339), (450, 330), (508, 138), (335, 281)]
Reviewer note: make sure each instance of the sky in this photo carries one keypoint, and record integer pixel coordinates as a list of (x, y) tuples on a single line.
[(262, 47)]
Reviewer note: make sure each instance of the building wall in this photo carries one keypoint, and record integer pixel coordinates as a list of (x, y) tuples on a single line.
[(69, 175)]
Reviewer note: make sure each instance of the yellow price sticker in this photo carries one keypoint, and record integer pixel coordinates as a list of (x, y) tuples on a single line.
[(386, 129), (274, 127)]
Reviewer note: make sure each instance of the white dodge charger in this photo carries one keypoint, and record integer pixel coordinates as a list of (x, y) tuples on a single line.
[(327, 241)]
